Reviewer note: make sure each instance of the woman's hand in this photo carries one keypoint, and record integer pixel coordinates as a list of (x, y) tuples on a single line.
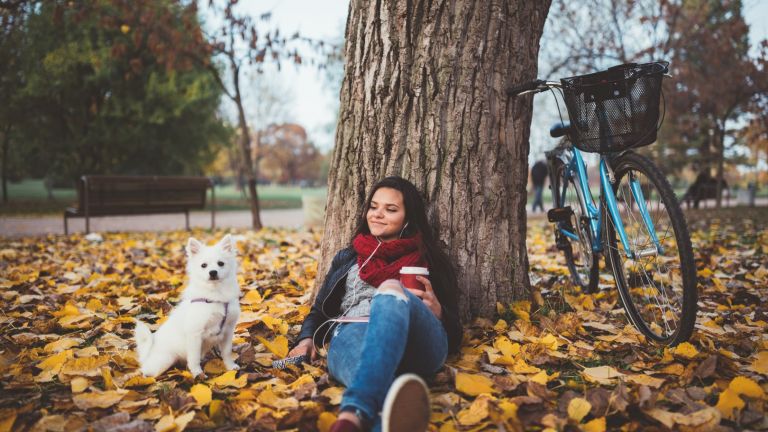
[(428, 297), (305, 346)]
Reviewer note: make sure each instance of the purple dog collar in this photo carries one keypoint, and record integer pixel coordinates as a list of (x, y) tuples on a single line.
[(226, 308)]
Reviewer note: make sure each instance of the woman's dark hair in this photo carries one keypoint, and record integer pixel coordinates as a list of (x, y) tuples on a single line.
[(441, 271)]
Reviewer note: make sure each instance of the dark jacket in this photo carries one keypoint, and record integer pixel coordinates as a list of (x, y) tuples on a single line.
[(539, 173), (328, 303)]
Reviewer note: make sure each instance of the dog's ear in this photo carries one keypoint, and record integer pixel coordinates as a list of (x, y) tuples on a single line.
[(227, 244), (193, 246)]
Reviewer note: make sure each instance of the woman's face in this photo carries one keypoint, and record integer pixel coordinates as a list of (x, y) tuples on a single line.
[(386, 215)]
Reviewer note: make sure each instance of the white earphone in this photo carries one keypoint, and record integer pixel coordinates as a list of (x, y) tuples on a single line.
[(404, 227)]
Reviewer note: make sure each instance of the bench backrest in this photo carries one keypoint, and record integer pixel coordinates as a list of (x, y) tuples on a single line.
[(105, 195)]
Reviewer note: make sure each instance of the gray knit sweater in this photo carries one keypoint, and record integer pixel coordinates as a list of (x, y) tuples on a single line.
[(357, 298)]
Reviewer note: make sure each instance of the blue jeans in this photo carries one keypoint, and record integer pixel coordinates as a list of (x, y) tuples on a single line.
[(402, 336), (537, 198)]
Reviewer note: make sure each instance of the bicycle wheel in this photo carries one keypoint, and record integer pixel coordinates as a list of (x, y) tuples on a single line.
[(582, 262), (658, 286)]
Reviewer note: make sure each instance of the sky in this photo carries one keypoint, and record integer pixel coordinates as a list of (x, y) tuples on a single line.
[(304, 88), (311, 104)]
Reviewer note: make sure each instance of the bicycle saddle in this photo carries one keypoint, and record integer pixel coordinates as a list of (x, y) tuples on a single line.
[(559, 129)]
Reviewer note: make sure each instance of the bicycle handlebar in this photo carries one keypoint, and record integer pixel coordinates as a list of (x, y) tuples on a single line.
[(532, 85)]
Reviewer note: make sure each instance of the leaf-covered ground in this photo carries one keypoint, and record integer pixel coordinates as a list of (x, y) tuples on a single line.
[(566, 361)]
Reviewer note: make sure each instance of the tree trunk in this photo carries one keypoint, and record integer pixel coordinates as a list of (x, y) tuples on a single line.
[(424, 97), (245, 147), (6, 145), (720, 167)]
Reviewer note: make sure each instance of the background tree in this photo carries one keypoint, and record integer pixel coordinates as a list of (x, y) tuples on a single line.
[(424, 97), (715, 79), (236, 39), (101, 96), (13, 21), (286, 155)]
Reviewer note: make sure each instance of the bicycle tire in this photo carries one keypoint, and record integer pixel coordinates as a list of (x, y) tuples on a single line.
[(647, 284), (583, 265)]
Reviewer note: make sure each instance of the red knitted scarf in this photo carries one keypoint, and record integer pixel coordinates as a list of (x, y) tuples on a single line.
[(388, 259)]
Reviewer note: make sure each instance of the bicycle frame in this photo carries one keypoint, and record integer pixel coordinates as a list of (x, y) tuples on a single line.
[(576, 168)]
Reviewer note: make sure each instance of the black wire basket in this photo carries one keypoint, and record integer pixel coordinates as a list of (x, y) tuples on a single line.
[(616, 109)]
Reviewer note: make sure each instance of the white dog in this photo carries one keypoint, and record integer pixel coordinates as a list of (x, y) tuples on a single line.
[(205, 318)]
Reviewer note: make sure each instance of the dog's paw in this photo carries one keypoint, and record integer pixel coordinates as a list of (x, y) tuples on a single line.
[(231, 365), (150, 373), (198, 373)]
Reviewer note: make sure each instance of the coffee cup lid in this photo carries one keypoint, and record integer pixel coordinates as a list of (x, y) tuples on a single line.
[(414, 270)]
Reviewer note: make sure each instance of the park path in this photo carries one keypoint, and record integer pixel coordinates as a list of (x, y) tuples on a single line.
[(21, 226)]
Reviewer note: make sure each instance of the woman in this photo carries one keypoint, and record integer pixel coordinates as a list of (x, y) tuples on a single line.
[(378, 328)]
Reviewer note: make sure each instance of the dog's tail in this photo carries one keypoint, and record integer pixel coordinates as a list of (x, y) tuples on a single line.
[(143, 336)]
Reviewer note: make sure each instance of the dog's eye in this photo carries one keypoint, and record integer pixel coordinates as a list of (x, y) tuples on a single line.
[(220, 263), (204, 265)]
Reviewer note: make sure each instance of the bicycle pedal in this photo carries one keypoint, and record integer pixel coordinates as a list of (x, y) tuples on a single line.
[(560, 214)]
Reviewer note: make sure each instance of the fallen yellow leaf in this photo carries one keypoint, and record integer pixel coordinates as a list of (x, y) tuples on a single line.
[(729, 404), (78, 384), (202, 394), (324, 421), (760, 365), (474, 384), (214, 409), (105, 399), (521, 310), (251, 297), (508, 410), (475, 413), (62, 344), (56, 361), (550, 341), (334, 394), (87, 366), (578, 408), (601, 374), (648, 380), (594, 425), (229, 379), (139, 381), (745, 386), (278, 347), (703, 419), (269, 398), (7, 418), (543, 378), (686, 350)]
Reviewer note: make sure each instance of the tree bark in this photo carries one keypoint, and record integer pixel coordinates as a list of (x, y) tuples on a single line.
[(245, 146), (720, 166), (6, 145), (424, 97)]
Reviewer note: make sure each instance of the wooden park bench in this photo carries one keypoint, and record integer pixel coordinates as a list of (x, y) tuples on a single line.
[(100, 195), (704, 188)]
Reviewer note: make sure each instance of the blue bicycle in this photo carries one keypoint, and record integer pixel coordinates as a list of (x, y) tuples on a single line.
[(636, 223)]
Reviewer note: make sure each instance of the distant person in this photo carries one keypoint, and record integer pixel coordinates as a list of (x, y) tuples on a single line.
[(538, 176), (752, 193)]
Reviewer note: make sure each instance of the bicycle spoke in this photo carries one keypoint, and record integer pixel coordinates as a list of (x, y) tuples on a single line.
[(651, 280)]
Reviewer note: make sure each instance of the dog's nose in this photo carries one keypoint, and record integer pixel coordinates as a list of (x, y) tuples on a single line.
[(214, 274)]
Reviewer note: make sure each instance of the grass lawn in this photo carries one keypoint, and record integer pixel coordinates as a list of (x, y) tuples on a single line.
[(30, 197)]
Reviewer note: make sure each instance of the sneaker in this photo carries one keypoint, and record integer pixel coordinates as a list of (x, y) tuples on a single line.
[(406, 407), (344, 426)]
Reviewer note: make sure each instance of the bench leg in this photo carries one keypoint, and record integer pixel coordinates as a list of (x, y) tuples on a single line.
[(87, 225), (186, 215), (66, 228)]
